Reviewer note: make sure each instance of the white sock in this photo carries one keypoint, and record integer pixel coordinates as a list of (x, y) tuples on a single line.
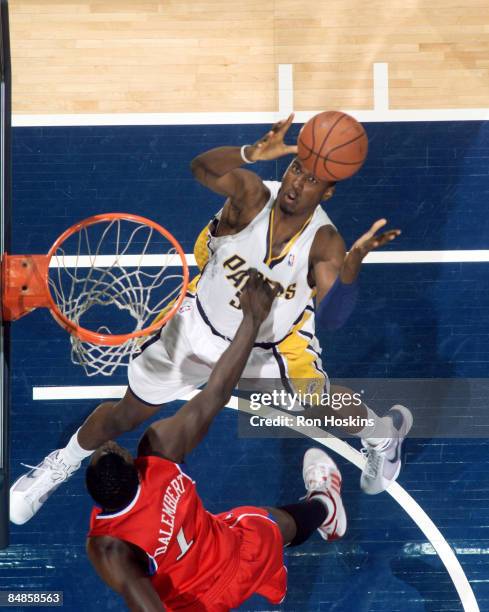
[(73, 453)]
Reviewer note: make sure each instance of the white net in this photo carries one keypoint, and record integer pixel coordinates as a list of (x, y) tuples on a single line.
[(114, 277)]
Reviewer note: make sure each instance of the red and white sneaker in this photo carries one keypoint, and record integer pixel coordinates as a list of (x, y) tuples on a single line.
[(322, 477)]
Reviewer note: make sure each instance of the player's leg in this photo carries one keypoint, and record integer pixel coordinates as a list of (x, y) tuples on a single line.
[(163, 372), (112, 419), (297, 362), (322, 508), (108, 421), (381, 438)]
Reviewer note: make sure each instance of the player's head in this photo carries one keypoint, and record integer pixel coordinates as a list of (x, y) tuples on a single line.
[(301, 191), (112, 478)]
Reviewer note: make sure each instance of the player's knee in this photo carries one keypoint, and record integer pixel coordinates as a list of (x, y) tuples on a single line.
[(125, 419), (130, 414)]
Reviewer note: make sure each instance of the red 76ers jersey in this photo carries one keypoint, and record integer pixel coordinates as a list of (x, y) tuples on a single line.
[(192, 555)]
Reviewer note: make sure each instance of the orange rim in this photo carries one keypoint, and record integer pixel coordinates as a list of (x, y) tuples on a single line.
[(86, 335)]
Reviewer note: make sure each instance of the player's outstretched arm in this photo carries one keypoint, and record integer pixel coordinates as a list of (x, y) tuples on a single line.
[(369, 241), (219, 169), (120, 567), (175, 437), (335, 272)]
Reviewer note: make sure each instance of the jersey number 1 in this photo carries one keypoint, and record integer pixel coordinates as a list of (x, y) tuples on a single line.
[(182, 542)]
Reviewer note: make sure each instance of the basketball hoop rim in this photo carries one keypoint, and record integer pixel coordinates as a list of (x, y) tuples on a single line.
[(87, 335)]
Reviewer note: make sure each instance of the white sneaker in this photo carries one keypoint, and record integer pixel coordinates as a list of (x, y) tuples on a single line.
[(383, 460), (322, 477), (30, 491)]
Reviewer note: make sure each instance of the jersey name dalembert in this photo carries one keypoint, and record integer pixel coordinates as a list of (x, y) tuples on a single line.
[(230, 258)]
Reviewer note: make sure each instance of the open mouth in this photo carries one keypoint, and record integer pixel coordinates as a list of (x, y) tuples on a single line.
[(291, 197)]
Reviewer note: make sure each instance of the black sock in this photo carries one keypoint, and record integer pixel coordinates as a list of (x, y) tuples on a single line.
[(308, 516)]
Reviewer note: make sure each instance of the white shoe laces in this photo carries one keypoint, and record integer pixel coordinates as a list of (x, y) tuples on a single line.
[(53, 466), (374, 460)]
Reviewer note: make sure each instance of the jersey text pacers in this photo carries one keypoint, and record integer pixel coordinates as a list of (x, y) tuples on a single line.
[(239, 275)]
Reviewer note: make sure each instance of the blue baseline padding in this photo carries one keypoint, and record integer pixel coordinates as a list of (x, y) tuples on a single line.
[(411, 321)]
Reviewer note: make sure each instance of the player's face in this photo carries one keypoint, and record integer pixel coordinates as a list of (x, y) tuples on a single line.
[(301, 191), (111, 447)]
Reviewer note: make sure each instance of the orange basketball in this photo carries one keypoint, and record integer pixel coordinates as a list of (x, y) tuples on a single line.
[(332, 146)]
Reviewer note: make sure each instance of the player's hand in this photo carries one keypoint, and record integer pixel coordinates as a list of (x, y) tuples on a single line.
[(368, 242), (272, 145), (257, 297)]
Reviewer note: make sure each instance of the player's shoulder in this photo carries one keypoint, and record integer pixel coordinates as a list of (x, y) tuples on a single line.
[(145, 461), (107, 548), (327, 241), (108, 544), (113, 557), (321, 218), (327, 231), (155, 465)]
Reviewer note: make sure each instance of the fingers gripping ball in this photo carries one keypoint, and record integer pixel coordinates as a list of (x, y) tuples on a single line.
[(332, 146)]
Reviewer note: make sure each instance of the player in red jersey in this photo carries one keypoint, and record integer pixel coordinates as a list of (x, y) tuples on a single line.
[(152, 540)]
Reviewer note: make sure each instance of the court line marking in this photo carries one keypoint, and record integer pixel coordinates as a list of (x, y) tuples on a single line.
[(79, 392), (381, 86), (396, 491), (285, 89), (414, 549), (381, 257), (138, 119), (411, 257)]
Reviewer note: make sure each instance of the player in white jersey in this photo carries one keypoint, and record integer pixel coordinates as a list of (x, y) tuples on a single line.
[(281, 230)]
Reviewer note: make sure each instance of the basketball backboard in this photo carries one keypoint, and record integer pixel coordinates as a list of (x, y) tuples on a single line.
[(5, 244)]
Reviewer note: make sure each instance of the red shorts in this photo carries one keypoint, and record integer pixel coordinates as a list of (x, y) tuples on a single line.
[(261, 567)]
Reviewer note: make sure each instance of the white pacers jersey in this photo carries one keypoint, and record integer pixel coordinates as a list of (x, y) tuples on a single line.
[(230, 258)]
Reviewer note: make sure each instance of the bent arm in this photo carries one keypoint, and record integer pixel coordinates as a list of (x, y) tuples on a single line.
[(337, 299), (219, 170), (119, 567)]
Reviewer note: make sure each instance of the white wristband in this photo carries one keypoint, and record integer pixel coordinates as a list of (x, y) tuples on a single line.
[(243, 156)]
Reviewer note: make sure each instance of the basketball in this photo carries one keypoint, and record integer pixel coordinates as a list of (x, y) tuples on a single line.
[(332, 146)]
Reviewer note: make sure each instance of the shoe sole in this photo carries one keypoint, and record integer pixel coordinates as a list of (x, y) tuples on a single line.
[(405, 429)]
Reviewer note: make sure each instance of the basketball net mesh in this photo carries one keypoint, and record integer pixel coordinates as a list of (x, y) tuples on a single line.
[(106, 272)]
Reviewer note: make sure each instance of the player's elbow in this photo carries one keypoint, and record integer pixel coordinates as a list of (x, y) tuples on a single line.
[(199, 169), (195, 165)]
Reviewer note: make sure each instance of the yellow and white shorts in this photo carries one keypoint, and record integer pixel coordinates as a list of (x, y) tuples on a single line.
[(181, 357)]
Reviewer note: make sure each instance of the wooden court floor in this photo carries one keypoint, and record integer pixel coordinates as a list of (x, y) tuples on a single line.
[(121, 56)]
